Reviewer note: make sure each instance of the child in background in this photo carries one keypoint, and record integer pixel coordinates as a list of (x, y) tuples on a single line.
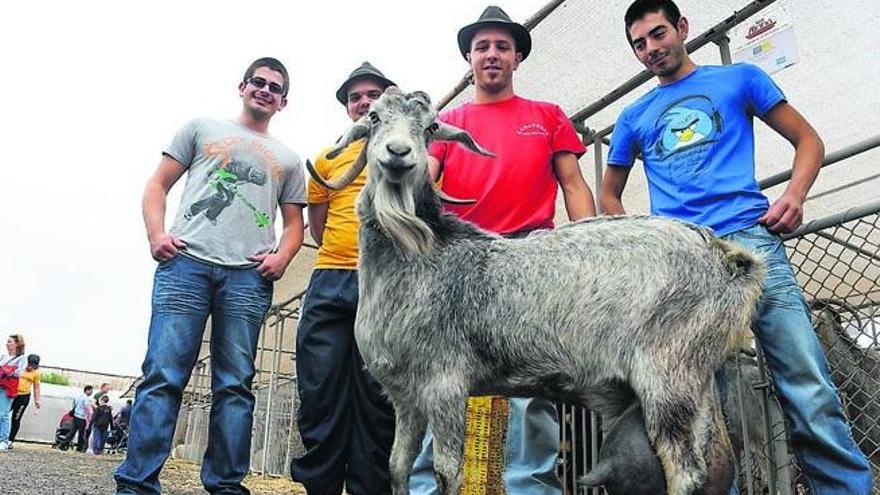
[(100, 424), (28, 380)]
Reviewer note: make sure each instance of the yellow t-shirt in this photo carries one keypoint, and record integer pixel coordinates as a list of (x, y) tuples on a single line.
[(339, 249), (27, 380)]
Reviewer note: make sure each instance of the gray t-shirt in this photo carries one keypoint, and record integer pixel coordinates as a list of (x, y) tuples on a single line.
[(236, 180)]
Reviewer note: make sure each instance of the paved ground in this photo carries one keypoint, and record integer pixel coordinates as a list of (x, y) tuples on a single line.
[(38, 469)]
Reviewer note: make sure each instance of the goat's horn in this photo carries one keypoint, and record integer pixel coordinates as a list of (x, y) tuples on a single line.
[(452, 200), (358, 130), (347, 178), (446, 132)]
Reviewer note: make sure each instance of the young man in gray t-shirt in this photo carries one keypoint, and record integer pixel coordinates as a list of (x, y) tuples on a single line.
[(219, 259)]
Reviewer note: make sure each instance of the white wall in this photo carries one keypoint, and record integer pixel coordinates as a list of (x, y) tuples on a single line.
[(39, 425)]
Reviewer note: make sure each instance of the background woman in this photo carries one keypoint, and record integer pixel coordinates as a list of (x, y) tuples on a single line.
[(12, 365)]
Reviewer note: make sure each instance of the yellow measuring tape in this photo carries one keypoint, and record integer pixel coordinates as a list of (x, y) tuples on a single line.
[(485, 436)]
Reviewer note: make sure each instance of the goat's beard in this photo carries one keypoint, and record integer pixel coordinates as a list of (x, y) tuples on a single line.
[(395, 210)]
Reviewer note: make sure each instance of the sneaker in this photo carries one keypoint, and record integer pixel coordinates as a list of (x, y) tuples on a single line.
[(4, 445), (9, 446)]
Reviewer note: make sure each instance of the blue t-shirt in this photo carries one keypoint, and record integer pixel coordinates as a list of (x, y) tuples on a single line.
[(79, 406), (697, 142)]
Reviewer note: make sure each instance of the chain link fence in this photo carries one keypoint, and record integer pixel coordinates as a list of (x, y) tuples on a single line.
[(839, 267)]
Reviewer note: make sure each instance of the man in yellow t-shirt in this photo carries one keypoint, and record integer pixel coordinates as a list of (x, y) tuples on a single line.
[(347, 425)]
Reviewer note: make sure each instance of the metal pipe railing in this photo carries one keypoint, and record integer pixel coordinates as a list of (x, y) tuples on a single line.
[(830, 159), (836, 219)]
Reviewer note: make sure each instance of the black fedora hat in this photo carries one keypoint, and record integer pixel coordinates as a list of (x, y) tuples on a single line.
[(491, 17), (365, 71)]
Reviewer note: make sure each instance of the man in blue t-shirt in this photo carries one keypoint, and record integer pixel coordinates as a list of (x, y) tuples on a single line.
[(695, 134), (80, 404)]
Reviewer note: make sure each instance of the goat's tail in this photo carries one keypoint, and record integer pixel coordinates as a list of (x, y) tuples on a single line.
[(742, 262), (747, 270)]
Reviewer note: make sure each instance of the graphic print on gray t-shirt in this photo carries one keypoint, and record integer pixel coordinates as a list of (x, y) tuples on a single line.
[(225, 180), (236, 179)]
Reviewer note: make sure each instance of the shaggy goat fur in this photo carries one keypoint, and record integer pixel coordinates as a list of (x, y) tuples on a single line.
[(585, 313)]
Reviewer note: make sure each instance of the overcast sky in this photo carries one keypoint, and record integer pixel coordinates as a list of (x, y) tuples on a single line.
[(94, 90)]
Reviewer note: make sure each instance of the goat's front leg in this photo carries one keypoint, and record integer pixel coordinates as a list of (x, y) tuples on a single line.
[(446, 406), (409, 432)]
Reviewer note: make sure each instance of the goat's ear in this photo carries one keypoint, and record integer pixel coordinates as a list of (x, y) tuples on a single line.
[(358, 130), (446, 132)]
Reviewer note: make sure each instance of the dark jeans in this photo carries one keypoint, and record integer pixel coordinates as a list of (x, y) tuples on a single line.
[(99, 438), (79, 428), (347, 425), (19, 405), (185, 293)]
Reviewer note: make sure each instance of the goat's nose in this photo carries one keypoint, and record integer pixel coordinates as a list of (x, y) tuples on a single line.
[(398, 149)]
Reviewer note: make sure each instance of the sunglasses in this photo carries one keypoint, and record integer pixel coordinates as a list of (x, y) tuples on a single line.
[(260, 83)]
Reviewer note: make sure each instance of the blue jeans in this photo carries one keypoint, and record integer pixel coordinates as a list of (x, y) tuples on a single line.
[(99, 438), (819, 432), (5, 415), (346, 424), (532, 447), (185, 293)]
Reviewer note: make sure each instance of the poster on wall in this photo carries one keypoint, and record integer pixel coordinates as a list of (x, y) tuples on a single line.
[(767, 39)]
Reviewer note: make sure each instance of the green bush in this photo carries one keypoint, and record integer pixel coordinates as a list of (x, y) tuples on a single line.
[(54, 378)]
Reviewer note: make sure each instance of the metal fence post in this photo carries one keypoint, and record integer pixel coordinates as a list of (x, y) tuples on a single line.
[(594, 444), (747, 442), (723, 43), (259, 391), (599, 165), (776, 449), (270, 395)]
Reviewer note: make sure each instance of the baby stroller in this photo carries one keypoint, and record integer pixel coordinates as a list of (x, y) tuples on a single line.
[(65, 426), (117, 440)]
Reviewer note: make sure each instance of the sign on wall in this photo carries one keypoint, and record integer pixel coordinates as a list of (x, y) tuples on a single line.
[(767, 39)]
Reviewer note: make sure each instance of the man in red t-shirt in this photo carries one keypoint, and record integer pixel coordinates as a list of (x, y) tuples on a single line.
[(536, 147)]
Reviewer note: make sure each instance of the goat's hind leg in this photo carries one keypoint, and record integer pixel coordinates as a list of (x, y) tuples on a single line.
[(677, 425), (409, 432)]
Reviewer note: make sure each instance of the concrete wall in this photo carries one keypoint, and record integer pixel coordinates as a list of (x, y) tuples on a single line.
[(39, 425)]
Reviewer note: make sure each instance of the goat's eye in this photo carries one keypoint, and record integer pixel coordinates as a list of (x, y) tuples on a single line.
[(432, 128), (374, 117)]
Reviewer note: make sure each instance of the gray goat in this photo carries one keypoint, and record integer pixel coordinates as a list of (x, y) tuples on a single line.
[(586, 313)]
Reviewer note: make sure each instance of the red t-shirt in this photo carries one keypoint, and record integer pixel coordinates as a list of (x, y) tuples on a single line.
[(516, 190)]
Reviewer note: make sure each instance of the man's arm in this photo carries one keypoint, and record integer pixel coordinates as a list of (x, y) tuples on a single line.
[(317, 213), (163, 246), (611, 192), (578, 198), (273, 265), (787, 212)]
